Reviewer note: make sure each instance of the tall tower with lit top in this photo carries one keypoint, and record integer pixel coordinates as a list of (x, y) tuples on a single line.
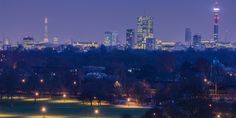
[(216, 18), (46, 39)]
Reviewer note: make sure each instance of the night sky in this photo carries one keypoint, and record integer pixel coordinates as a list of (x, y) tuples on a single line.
[(87, 20)]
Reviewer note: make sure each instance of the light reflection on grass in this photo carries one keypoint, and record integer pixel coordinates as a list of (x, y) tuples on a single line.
[(65, 101), (4, 115), (38, 99), (68, 108)]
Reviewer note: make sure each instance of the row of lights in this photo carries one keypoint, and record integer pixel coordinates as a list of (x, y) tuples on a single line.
[(42, 81), (44, 110), (24, 81)]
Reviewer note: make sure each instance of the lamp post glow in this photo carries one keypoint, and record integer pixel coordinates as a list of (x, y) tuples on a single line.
[(64, 97), (41, 81), (36, 94), (23, 81), (154, 115), (74, 82), (128, 100), (43, 110), (96, 112)]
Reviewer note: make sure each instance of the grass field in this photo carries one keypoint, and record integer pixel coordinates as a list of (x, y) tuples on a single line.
[(61, 109)]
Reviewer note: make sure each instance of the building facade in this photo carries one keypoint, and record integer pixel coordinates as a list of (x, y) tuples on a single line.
[(110, 39), (150, 43), (188, 36), (130, 38), (197, 38), (144, 31)]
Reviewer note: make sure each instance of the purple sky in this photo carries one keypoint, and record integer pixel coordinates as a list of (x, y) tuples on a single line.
[(87, 20)]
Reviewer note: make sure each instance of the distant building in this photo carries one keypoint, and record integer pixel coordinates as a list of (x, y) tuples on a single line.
[(94, 72), (55, 41), (188, 36), (167, 46), (110, 39), (85, 46), (46, 38), (145, 30), (6, 44), (28, 43), (150, 43), (197, 38), (130, 38)]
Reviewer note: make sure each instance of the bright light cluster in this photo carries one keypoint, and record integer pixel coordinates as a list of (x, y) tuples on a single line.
[(216, 9)]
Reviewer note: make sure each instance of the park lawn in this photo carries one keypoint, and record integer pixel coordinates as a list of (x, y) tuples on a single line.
[(27, 109)]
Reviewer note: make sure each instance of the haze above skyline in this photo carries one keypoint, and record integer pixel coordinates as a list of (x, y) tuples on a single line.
[(87, 20)]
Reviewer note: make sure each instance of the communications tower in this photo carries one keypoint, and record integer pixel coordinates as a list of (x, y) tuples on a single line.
[(216, 18)]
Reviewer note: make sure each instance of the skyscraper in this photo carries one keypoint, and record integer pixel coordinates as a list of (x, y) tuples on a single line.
[(46, 39), (145, 30), (197, 38), (130, 38), (110, 39), (188, 35), (216, 18)]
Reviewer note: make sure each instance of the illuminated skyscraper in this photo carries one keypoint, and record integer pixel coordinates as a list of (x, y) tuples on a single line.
[(130, 38), (46, 39), (145, 30), (216, 18), (110, 39)]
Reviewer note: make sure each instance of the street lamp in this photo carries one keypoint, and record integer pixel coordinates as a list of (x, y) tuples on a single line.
[(96, 112), (128, 100), (210, 105), (154, 115), (23, 81), (36, 94), (74, 82), (43, 110), (41, 81), (64, 97)]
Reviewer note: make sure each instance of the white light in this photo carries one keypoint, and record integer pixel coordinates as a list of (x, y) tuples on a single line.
[(216, 9), (64, 95), (96, 111), (43, 109)]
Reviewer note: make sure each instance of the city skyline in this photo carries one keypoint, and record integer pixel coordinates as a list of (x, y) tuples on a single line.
[(78, 21)]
